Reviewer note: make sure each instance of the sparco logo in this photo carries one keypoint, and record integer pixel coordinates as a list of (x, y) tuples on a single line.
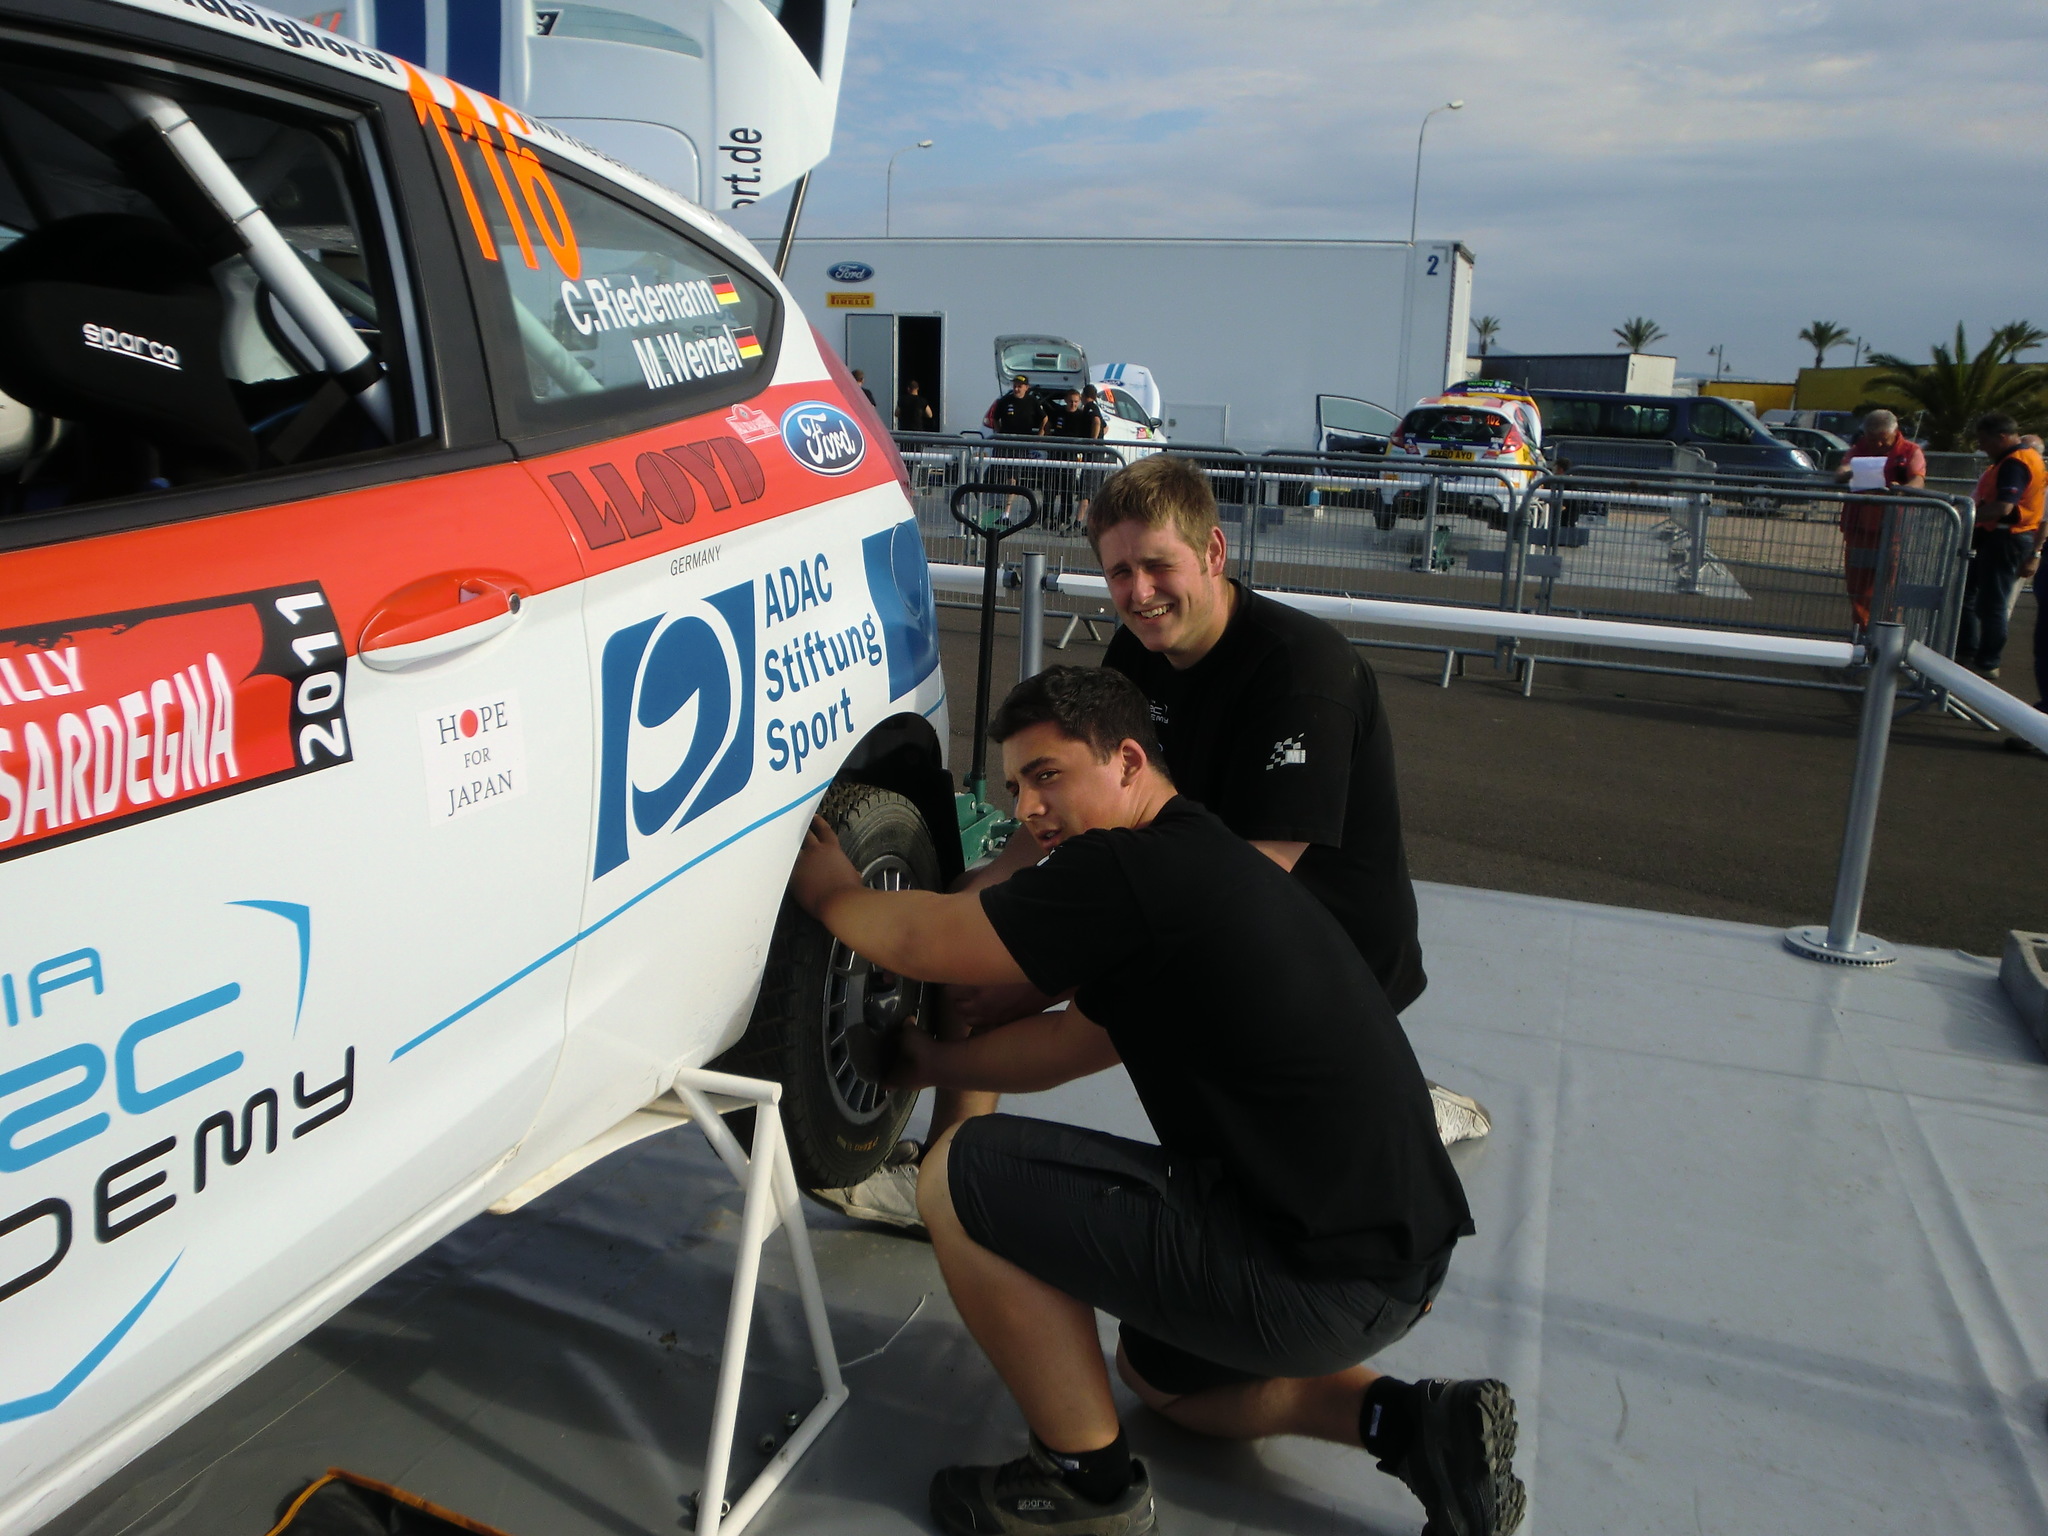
[(823, 438), (106, 338)]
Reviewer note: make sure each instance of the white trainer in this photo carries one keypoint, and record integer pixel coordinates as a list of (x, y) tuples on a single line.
[(1458, 1118), (888, 1195)]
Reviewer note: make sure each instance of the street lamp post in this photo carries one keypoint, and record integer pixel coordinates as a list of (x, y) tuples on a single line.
[(889, 197), (1720, 356), (1415, 201)]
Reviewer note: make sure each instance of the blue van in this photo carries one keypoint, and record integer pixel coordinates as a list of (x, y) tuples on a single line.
[(1733, 440)]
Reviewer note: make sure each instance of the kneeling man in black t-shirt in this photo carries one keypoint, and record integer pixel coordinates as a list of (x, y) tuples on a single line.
[(1299, 1212)]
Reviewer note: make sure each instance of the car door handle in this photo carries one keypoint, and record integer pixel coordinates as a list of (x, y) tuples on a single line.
[(398, 636)]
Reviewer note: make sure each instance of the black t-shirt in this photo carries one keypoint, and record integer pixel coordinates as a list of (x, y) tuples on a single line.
[(913, 413), (1079, 422), (1279, 731), (1258, 1041), (1018, 418)]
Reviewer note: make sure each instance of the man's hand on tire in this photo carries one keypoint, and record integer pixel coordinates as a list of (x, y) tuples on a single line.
[(822, 868)]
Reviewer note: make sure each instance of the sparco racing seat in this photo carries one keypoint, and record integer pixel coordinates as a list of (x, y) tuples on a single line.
[(114, 326)]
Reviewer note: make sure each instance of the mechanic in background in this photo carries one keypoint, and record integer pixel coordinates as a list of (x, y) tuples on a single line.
[(1905, 469), (2010, 497), (1298, 1213), (1019, 413), (860, 377), (913, 411), (1092, 399)]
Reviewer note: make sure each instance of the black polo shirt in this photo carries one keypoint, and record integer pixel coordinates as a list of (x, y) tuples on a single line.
[(1018, 418), (1279, 731)]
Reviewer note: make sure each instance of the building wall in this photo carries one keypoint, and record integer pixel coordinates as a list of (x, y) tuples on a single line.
[(1765, 397), (1257, 327)]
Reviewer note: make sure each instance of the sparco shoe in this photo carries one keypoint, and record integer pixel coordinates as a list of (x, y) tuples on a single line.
[(1461, 1459), (888, 1195), (1028, 1497), (1458, 1118)]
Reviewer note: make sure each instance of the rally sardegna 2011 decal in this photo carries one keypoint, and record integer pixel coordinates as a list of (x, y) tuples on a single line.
[(120, 717)]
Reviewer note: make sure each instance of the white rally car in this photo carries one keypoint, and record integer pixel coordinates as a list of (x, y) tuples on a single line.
[(440, 572)]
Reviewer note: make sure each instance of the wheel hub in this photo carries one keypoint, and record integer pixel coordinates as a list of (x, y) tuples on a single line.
[(863, 1007)]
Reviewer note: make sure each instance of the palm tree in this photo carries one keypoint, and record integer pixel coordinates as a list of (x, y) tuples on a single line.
[(1639, 332), (1486, 327), (1956, 388), (1824, 336)]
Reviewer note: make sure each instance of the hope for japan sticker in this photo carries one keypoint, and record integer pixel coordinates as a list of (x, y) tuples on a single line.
[(475, 754)]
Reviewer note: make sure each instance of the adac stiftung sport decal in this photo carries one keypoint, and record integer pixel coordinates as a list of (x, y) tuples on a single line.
[(823, 438), (120, 717)]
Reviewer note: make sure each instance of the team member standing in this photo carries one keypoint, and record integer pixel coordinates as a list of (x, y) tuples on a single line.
[(1298, 1213), (1019, 413), (2010, 497), (914, 411)]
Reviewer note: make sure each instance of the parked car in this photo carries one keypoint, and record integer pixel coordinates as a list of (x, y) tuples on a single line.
[(1478, 429), (1825, 449), (432, 602), (1730, 436)]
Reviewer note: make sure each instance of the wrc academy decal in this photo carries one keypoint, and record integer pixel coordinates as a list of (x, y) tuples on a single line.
[(120, 717), (127, 1107), (780, 674)]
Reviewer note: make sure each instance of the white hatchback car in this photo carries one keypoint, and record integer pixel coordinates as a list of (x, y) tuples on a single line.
[(439, 575)]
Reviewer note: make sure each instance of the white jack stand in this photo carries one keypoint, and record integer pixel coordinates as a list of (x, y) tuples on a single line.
[(772, 1198)]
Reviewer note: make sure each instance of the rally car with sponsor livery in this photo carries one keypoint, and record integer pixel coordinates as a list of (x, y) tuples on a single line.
[(1489, 424), (440, 572)]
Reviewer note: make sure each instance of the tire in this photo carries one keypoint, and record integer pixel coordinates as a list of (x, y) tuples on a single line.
[(840, 1124)]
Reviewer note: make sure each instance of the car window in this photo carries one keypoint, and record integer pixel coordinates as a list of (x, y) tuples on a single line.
[(1449, 425), (1339, 413), (599, 309), (1040, 357), (1126, 406), (1716, 422), (150, 345)]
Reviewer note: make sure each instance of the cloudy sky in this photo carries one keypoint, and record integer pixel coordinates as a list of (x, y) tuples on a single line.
[(1733, 170)]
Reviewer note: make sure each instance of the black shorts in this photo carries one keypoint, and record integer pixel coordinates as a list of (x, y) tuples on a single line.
[(1204, 1298)]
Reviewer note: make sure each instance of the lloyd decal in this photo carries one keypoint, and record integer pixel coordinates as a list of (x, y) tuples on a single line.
[(120, 717), (475, 754), (665, 486)]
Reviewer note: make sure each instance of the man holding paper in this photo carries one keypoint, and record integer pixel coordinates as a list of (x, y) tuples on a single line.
[(1881, 459)]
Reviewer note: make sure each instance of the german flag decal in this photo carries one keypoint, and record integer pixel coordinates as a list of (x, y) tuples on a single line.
[(743, 337), (723, 288)]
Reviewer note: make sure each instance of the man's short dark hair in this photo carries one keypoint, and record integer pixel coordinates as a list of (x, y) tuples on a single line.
[(1997, 424), (1090, 704)]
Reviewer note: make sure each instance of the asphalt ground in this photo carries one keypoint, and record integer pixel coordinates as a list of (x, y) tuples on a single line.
[(1678, 794)]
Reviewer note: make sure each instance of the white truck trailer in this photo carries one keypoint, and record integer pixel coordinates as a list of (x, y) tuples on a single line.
[(1241, 334)]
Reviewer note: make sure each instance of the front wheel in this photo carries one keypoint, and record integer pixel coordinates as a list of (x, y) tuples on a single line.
[(826, 1014)]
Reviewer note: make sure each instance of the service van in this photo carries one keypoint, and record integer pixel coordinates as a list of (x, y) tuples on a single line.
[(441, 572)]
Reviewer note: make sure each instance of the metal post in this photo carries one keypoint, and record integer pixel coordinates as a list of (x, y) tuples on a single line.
[(796, 209), (1696, 560), (1839, 942), (1031, 619), (1254, 511), (1429, 501)]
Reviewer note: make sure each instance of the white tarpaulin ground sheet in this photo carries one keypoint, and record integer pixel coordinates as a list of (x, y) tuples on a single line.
[(1763, 1247)]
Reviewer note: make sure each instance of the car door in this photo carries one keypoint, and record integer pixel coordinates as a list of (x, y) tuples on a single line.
[(741, 521), (295, 734)]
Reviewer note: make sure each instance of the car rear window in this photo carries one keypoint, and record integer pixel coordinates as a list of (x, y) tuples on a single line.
[(1040, 357), (1447, 425)]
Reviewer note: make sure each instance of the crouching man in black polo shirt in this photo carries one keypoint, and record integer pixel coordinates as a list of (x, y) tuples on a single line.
[(1299, 1212)]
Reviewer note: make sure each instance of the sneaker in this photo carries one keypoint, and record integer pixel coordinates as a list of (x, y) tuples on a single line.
[(1461, 1459), (1028, 1497), (1458, 1118), (888, 1195)]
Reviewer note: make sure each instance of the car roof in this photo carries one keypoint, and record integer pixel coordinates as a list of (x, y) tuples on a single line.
[(361, 62)]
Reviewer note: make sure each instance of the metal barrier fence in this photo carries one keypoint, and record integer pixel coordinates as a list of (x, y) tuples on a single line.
[(1708, 551)]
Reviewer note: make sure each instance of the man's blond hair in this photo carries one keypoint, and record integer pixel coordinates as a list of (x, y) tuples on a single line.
[(1156, 492)]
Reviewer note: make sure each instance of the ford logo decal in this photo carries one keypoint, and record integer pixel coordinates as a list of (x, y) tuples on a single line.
[(823, 438), (850, 272)]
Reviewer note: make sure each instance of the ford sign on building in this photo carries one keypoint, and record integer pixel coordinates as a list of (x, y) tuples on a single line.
[(850, 272)]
